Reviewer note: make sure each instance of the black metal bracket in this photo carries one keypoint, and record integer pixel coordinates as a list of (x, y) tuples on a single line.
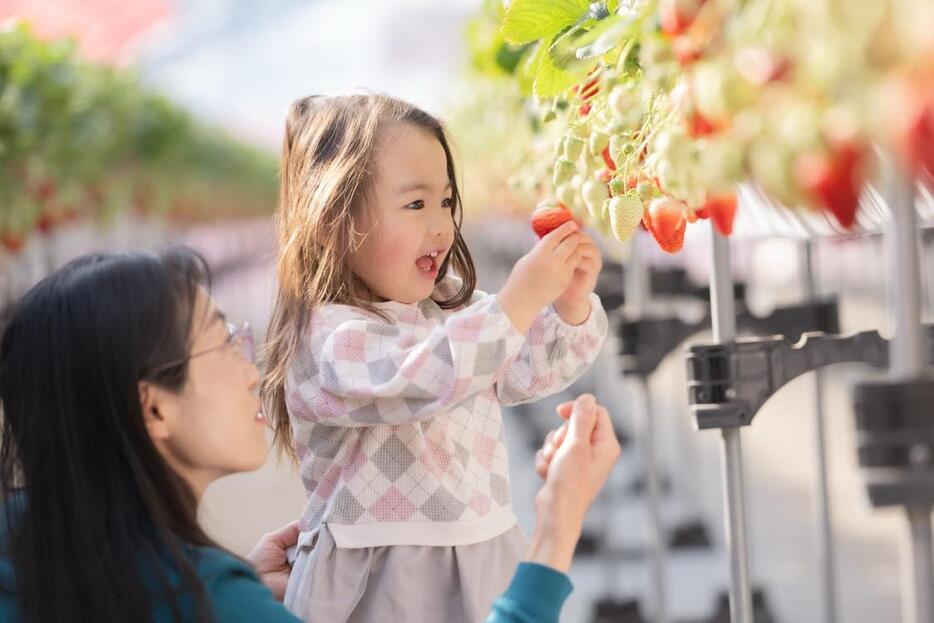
[(645, 342), (729, 383), (895, 440)]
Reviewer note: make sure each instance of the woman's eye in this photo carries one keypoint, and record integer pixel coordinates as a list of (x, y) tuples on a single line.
[(448, 203), (416, 205)]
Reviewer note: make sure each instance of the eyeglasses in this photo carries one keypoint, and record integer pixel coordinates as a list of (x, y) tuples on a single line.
[(239, 336)]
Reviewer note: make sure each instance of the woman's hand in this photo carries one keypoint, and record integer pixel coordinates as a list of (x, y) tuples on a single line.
[(270, 560), (575, 462)]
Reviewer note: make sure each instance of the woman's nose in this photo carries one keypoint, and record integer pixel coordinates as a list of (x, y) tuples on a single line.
[(252, 376)]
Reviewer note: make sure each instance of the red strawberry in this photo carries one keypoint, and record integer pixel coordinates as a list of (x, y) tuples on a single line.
[(547, 217), (71, 214), (913, 121), (686, 51), (833, 180), (721, 209), (759, 65), (699, 126), (920, 144), (666, 218), (590, 89), (13, 243), (608, 159), (46, 222), (44, 190), (584, 110), (676, 16)]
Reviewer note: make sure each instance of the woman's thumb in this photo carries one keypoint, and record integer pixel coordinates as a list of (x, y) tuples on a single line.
[(583, 419)]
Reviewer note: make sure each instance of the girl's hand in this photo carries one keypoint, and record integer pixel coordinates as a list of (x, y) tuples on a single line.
[(573, 305), (541, 275)]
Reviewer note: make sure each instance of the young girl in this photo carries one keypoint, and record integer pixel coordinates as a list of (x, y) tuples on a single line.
[(386, 371)]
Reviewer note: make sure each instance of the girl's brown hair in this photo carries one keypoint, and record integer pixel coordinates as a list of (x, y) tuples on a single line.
[(327, 165)]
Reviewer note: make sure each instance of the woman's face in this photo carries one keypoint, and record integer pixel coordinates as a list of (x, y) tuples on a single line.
[(212, 426)]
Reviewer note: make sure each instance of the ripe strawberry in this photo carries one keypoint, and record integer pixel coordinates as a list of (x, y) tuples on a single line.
[(584, 110), (912, 120), (721, 209), (686, 50), (699, 126), (676, 16), (833, 180), (12, 242), (608, 159), (591, 88), (760, 66), (44, 190), (548, 217), (46, 222), (626, 213), (666, 219)]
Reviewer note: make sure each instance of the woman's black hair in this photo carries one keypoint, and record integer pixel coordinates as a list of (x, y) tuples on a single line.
[(98, 526)]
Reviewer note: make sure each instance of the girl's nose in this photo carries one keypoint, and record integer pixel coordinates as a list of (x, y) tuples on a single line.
[(441, 224)]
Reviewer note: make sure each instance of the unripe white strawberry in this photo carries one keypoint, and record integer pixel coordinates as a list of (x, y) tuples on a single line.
[(625, 214)]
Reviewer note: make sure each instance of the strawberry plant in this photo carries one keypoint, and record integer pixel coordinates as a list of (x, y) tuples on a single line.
[(79, 139), (676, 102)]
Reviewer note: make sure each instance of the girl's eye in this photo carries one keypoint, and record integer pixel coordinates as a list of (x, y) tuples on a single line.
[(448, 203), (416, 205)]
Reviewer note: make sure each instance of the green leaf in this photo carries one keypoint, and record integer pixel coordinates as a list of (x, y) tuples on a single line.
[(551, 79), (529, 20), (525, 72), (508, 57), (603, 37)]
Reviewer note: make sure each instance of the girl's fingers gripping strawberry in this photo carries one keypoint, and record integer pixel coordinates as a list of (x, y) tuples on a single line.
[(556, 236), (568, 247)]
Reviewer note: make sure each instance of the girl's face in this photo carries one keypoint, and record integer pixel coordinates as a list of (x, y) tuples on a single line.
[(212, 426), (408, 221)]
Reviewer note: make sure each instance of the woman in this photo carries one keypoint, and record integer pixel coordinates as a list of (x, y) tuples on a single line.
[(124, 394)]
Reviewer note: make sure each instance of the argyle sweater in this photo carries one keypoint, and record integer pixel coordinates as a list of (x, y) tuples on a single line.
[(397, 425)]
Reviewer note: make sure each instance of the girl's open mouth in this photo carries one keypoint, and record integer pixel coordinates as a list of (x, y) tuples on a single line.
[(429, 263)]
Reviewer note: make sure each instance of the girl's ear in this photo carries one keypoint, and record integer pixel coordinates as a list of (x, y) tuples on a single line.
[(150, 401)]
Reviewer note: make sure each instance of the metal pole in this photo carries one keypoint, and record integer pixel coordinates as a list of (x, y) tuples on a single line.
[(656, 529), (723, 315), (825, 549), (636, 288), (907, 362)]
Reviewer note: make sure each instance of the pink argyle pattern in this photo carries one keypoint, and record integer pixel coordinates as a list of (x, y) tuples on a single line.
[(400, 421)]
